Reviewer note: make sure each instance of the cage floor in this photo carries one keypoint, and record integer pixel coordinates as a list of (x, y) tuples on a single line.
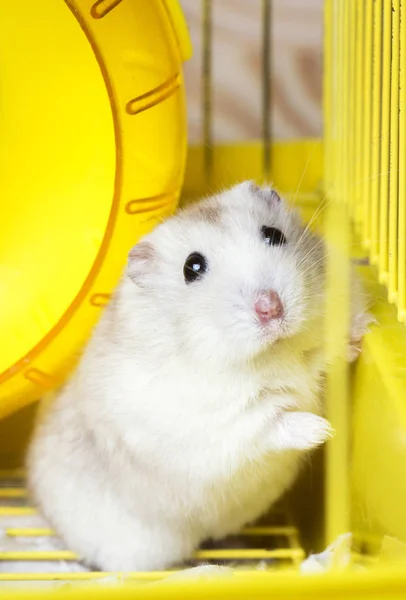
[(31, 553)]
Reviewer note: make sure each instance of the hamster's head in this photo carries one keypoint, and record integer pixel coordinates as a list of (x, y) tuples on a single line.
[(229, 277)]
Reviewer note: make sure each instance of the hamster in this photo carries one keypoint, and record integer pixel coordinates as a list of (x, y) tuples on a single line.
[(199, 391)]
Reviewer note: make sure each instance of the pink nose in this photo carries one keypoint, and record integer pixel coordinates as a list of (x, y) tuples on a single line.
[(268, 306)]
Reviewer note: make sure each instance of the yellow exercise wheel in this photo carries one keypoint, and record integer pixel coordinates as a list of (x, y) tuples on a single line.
[(92, 154)]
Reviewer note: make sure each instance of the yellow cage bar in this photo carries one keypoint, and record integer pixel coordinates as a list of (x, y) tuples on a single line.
[(402, 171), (378, 74), (394, 155), (358, 112), (367, 120)]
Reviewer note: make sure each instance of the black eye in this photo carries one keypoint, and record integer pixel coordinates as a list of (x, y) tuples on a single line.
[(195, 267), (273, 236)]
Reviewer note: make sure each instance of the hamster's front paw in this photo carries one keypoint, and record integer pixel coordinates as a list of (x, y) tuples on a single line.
[(359, 327), (300, 431)]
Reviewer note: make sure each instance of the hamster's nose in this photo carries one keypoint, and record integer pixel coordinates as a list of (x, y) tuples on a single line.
[(268, 306)]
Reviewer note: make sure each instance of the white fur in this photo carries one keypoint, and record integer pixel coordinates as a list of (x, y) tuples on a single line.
[(186, 419)]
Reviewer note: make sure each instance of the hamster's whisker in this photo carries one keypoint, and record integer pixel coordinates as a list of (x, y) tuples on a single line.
[(319, 243), (374, 176), (312, 265), (321, 207), (303, 174), (310, 253)]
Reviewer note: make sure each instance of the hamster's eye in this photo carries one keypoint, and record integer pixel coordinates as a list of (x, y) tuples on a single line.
[(195, 267), (273, 236)]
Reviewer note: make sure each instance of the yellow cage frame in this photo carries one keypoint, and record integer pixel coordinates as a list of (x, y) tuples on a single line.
[(361, 198)]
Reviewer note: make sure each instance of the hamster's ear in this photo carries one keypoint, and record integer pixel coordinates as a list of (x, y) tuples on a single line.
[(274, 196), (141, 260), (265, 192)]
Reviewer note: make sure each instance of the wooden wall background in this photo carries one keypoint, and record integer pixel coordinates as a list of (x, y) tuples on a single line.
[(296, 82)]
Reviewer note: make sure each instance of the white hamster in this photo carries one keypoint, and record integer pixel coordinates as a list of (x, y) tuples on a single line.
[(198, 392)]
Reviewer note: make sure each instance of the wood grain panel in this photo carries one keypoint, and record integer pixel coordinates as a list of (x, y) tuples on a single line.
[(296, 80)]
